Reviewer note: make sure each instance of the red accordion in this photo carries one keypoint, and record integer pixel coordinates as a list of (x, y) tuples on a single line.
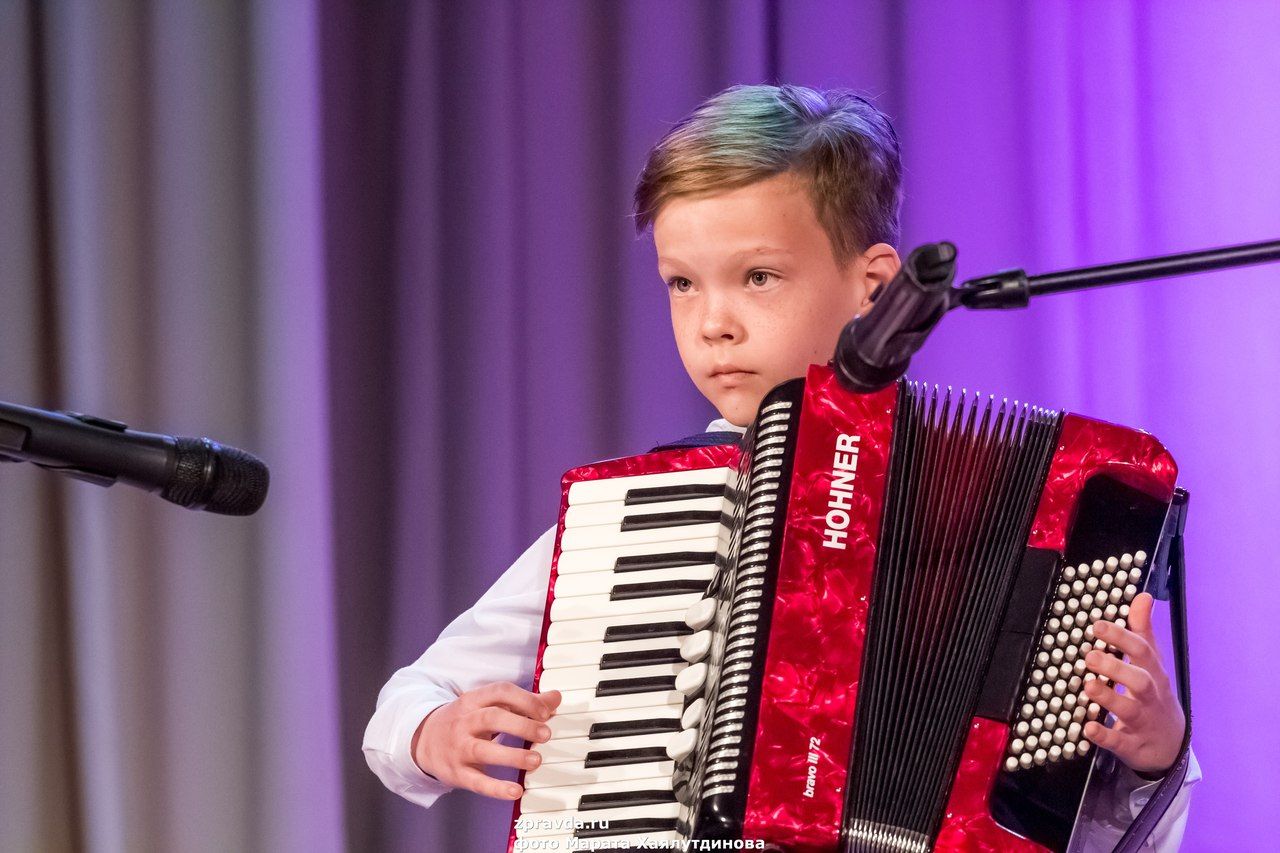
[(861, 629)]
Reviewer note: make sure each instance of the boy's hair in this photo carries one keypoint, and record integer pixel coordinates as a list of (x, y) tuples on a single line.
[(843, 145)]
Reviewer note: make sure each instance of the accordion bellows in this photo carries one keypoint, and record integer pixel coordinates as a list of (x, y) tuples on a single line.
[(861, 630)]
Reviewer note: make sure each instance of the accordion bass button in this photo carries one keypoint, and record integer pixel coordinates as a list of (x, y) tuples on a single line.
[(701, 613), (694, 647)]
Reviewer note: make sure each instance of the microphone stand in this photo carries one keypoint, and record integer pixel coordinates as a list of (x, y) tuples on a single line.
[(1014, 288), (875, 348)]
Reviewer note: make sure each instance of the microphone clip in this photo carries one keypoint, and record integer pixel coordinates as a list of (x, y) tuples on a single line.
[(875, 348)]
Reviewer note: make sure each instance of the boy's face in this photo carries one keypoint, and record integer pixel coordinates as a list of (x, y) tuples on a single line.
[(756, 293)]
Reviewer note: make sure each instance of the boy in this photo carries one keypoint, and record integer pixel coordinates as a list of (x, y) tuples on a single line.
[(774, 212)]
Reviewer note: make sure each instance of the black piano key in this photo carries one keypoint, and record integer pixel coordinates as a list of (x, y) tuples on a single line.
[(682, 518), (632, 728), (645, 631), (627, 686), (646, 657), (653, 589), (624, 799), (630, 826), (658, 494), (617, 757), (674, 560)]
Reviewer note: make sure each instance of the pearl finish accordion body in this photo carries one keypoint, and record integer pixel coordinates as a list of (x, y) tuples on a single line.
[(862, 629)]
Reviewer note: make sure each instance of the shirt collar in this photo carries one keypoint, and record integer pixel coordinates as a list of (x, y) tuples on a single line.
[(722, 425)]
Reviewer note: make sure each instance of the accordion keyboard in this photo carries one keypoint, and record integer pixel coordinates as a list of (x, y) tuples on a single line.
[(635, 553)]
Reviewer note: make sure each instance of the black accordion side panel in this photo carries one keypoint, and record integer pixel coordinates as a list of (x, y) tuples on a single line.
[(1041, 802), (965, 476)]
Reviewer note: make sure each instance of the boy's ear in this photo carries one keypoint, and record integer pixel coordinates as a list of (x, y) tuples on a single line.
[(879, 264)]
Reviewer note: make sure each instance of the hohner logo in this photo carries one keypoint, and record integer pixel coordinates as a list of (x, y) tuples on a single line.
[(844, 469)]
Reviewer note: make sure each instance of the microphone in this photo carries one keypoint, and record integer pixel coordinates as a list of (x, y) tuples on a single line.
[(197, 473), (875, 348)]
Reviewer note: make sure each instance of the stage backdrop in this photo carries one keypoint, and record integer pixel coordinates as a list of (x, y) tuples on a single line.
[(387, 246)]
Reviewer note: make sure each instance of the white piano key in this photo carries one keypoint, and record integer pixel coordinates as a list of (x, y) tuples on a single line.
[(680, 746), (576, 773), (701, 613), (557, 750), (602, 582), (586, 701), (579, 725), (567, 797), (694, 647), (691, 680), (692, 715), (588, 654), (613, 512), (603, 559), (584, 677), (608, 535), (543, 824), (616, 488), (591, 606), (593, 630)]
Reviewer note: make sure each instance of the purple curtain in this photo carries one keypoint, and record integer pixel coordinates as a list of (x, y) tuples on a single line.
[(531, 331), (389, 246)]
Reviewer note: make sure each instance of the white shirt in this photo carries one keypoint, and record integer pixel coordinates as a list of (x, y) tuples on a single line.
[(497, 640)]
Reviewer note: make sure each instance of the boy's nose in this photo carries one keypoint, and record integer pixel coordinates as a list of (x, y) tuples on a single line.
[(720, 323)]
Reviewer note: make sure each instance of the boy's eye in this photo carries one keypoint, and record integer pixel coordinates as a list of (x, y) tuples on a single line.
[(759, 278), (680, 285)]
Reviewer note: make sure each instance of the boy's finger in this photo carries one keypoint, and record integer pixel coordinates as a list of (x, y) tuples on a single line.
[(1124, 707), (1123, 744), (474, 780), (488, 752), (513, 698), (1140, 615), (552, 700), (1110, 666), (494, 720), (1131, 644)]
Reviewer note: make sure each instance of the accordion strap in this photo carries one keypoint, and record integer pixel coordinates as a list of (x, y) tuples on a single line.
[(1147, 820), (702, 439)]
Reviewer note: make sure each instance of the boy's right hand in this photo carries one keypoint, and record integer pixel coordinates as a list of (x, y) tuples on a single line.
[(455, 741)]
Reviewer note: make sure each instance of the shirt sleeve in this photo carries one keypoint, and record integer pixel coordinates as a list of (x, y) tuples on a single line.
[(1115, 800), (496, 640)]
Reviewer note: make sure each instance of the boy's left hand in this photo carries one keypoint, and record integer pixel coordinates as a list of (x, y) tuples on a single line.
[(1147, 734)]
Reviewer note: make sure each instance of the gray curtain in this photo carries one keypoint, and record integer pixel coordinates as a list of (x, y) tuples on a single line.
[(168, 677)]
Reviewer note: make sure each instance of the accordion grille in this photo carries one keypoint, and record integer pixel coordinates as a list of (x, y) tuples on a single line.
[(964, 479)]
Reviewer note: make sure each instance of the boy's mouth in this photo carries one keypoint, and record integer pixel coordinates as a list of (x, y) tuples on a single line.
[(730, 373)]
